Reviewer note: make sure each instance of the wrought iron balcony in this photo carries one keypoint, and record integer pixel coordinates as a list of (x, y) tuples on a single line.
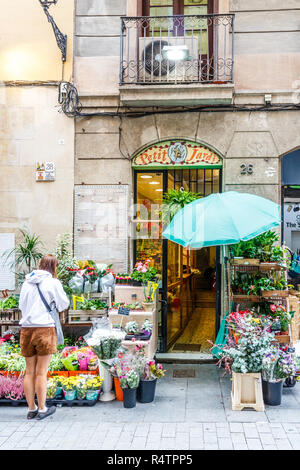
[(177, 49)]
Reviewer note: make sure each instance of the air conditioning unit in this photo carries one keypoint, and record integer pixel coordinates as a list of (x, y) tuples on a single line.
[(168, 59)]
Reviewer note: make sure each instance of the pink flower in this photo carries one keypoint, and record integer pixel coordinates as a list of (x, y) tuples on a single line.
[(144, 269), (273, 308)]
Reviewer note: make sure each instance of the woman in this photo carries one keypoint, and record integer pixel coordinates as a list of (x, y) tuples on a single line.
[(38, 332)]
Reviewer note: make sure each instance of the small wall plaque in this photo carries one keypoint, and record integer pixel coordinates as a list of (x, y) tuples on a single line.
[(45, 171), (123, 311)]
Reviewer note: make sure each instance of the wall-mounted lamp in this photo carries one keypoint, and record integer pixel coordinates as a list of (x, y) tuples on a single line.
[(61, 38)]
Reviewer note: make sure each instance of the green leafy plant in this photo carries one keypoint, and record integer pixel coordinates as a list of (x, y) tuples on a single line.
[(174, 200), (93, 304), (9, 303), (66, 262), (27, 253), (261, 247), (131, 327)]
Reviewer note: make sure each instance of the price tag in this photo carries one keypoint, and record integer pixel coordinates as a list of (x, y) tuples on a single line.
[(123, 311)]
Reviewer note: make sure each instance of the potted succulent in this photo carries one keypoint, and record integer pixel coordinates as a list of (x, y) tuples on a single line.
[(147, 327), (129, 381), (276, 366), (147, 385), (131, 328)]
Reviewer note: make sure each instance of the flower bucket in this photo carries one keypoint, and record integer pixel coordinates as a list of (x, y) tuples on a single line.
[(146, 391), (92, 394), (129, 397), (272, 392), (59, 392), (107, 384), (70, 394), (118, 389)]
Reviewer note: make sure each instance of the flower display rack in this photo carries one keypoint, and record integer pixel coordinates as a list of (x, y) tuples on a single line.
[(49, 402)]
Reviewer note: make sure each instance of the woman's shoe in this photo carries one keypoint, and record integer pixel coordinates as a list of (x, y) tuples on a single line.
[(32, 414), (45, 414)]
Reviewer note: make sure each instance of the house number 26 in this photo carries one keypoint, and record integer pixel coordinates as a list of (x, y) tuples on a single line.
[(246, 169)]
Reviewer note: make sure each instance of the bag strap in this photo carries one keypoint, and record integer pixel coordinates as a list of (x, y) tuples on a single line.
[(43, 299)]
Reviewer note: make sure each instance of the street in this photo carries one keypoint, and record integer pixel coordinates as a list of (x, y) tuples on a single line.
[(187, 414)]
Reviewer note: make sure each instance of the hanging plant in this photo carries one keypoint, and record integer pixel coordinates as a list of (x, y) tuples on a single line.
[(174, 200)]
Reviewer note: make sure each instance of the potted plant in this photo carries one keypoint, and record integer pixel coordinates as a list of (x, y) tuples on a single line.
[(277, 366), (143, 273), (147, 327), (51, 389), (148, 303), (243, 358), (81, 389), (147, 385), (93, 387), (131, 328), (129, 381), (69, 388)]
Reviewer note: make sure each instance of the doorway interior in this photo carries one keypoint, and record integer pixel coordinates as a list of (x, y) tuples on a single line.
[(190, 279)]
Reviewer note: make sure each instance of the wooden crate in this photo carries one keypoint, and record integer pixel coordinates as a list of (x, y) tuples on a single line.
[(245, 262), (125, 294), (247, 392), (283, 339), (245, 298), (77, 317), (275, 294), (10, 315)]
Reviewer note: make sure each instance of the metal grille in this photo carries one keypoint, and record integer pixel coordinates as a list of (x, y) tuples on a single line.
[(207, 41)]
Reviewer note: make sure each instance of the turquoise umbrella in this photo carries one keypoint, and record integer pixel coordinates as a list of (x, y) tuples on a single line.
[(222, 219)]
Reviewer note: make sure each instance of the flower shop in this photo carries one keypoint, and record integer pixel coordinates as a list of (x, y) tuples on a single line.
[(257, 342), (110, 333)]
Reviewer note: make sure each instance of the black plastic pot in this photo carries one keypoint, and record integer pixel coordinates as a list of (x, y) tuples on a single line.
[(290, 382), (146, 391), (137, 283), (129, 397), (272, 392)]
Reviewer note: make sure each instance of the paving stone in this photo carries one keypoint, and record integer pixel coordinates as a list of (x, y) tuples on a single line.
[(254, 444), (236, 427), (168, 430), (263, 428), (295, 441), (223, 432), (210, 438), (138, 443), (290, 428), (167, 443), (211, 446), (283, 444), (267, 439), (225, 443), (240, 446), (250, 432), (196, 444)]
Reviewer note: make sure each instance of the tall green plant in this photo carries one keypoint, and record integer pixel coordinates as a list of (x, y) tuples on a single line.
[(27, 253), (66, 262), (174, 200)]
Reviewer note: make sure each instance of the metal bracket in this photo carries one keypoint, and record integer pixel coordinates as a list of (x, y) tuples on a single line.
[(61, 38)]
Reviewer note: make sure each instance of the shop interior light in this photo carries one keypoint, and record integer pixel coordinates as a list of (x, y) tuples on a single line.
[(146, 176), (154, 182), (159, 190), (175, 52)]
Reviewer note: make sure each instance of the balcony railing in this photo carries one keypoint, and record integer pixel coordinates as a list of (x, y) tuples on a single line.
[(177, 49)]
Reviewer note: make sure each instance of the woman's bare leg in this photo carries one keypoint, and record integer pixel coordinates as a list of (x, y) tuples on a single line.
[(41, 379), (29, 381)]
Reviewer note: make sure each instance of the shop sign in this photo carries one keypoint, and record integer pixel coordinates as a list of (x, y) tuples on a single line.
[(176, 153), (45, 171), (123, 311)]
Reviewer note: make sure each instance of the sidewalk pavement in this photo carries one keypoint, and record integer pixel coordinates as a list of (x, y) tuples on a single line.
[(187, 414)]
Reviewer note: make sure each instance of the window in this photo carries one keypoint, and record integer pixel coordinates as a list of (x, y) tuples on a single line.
[(183, 27)]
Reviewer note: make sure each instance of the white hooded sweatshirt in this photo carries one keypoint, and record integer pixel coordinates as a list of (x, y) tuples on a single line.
[(34, 312)]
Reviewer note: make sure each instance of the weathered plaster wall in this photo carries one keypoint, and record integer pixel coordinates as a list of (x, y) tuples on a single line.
[(31, 130), (28, 49)]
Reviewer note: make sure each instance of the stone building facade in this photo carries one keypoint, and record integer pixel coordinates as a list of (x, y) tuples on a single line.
[(250, 119)]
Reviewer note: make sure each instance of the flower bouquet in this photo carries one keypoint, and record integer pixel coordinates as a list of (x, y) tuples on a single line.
[(93, 387)]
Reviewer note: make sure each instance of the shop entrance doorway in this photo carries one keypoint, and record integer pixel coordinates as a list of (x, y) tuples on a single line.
[(190, 279)]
